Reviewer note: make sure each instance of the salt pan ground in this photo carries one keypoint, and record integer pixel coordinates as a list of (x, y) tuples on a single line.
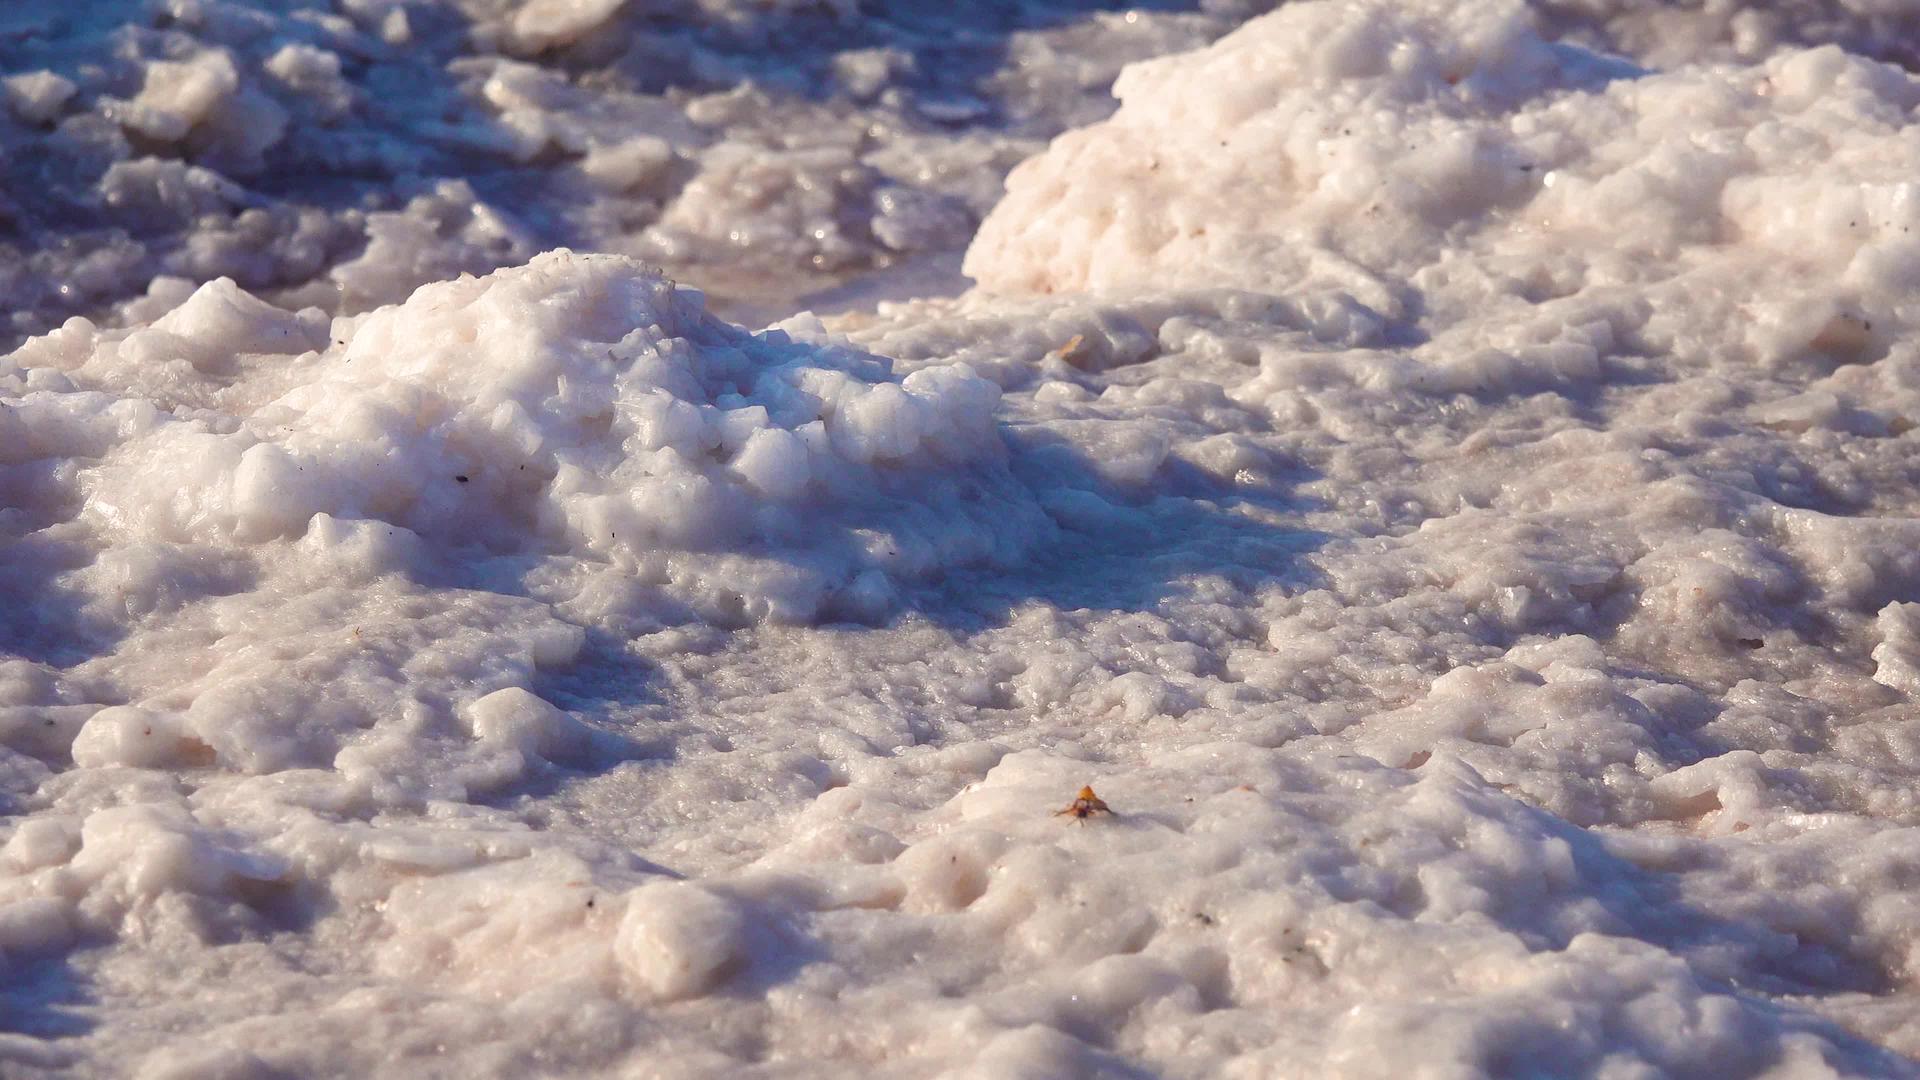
[(580, 538)]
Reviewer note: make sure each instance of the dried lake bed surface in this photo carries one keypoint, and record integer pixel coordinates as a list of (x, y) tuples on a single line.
[(585, 538)]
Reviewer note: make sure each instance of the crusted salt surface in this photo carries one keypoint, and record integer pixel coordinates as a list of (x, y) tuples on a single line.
[(1490, 618)]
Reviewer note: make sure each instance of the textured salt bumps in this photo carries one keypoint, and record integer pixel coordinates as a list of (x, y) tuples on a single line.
[(679, 940)]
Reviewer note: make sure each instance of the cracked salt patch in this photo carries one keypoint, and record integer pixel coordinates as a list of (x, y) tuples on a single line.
[(1442, 473)]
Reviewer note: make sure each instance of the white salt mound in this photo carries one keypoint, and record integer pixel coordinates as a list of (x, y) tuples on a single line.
[(580, 407), (1444, 165)]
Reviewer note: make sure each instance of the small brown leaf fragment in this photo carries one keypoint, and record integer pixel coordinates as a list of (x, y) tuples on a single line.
[(1084, 805), (1076, 352)]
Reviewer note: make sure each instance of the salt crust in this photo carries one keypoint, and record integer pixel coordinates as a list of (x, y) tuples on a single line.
[(1491, 618)]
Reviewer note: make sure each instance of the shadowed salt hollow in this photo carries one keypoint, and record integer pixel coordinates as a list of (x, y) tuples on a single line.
[(1443, 474)]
